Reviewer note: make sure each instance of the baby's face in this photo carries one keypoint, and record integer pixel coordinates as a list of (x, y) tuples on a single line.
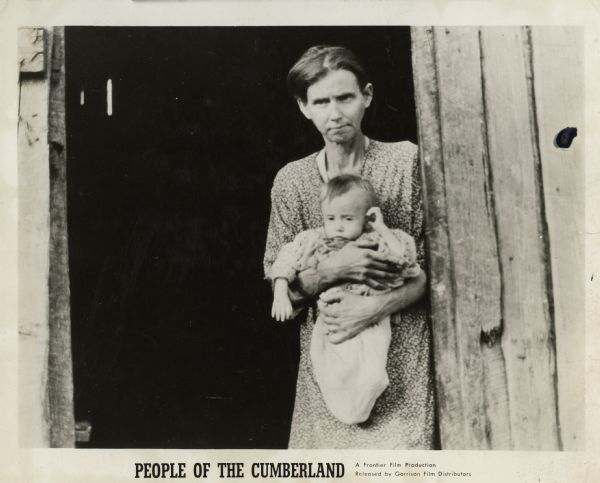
[(345, 216)]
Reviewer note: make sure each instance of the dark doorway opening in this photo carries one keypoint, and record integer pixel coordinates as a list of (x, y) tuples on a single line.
[(168, 204)]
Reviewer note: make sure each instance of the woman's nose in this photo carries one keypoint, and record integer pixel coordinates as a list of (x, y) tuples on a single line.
[(334, 111)]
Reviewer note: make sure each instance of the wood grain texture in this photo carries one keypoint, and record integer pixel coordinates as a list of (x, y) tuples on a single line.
[(446, 355), (471, 230), (33, 175), (465, 281), (60, 377), (558, 80), (30, 50), (527, 341)]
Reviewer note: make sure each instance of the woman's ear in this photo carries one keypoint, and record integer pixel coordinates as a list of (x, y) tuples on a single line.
[(303, 108), (368, 94)]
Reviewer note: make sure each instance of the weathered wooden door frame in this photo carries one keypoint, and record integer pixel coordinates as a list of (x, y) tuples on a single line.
[(46, 416)]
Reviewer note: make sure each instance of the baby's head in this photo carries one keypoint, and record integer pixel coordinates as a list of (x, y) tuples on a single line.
[(345, 201)]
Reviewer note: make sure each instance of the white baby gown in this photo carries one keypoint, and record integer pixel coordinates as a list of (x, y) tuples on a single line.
[(352, 374)]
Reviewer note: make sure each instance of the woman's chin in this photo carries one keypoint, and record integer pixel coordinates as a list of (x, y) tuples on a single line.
[(341, 135)]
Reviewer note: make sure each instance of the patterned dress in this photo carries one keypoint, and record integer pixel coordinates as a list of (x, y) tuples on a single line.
[(403, 417)]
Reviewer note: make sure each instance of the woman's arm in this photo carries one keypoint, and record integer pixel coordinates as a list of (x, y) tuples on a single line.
[(356, 262), (284, 220), (347, 314)]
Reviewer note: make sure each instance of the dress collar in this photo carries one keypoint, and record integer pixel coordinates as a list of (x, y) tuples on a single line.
[(323, 166)]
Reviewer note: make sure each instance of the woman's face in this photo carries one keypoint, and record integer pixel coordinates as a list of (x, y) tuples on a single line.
[(336, 106)]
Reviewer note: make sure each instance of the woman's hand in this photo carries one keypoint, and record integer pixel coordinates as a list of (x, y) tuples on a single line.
[(346, 314), (359, 263)]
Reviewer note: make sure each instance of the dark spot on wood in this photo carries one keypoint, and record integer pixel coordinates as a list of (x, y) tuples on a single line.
[(565, 137), (490, 338), (58, 147), (54, 172)]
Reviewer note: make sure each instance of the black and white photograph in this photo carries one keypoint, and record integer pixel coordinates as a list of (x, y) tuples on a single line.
[(302, 237)]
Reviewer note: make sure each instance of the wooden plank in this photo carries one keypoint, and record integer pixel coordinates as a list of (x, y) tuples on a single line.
[(558, 81), (527, 341), (461, 240), (33, 175), (472, 236), (30, 50), (60, 376), (451, 417)]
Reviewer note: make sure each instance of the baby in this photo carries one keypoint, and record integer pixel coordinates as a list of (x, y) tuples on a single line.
[(351, 375)]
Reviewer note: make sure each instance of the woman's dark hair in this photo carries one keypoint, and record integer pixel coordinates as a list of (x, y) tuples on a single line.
[(317, 62)]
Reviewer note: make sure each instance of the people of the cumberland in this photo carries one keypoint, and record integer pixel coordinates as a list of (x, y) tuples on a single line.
[(351, 374), (333, 91)]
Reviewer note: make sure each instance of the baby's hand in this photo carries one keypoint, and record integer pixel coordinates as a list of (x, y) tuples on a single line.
[(282, 310), (375, 217)]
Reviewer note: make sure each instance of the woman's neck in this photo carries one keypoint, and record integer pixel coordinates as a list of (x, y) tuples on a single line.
[(345, 158)]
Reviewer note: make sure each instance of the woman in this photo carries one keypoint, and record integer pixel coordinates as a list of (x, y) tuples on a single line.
[(332, 90)]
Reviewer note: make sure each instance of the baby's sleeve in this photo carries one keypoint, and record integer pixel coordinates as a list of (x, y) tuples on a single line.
[(410, 265), (292, 256)]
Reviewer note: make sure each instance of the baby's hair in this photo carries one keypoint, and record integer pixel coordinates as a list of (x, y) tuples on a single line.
[(345, 182)]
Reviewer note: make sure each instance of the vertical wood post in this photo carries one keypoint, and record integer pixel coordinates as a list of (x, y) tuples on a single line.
[(60, 364), (464, 271), (491, 284), (528, 338), (45, 366), (557, 70)]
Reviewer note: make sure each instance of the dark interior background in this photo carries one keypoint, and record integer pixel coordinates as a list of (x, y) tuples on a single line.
[(168, 205)]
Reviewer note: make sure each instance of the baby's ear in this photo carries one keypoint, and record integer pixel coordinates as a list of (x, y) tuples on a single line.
[(370, 217)]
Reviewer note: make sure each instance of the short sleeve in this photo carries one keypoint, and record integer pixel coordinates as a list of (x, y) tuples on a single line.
[(417, 225), (284, 221), (411, 266), (293, 256)]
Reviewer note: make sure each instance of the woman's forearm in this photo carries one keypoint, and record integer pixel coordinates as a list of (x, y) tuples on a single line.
[(404, 296), (394, 244), (308, 284), (346, 314)]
